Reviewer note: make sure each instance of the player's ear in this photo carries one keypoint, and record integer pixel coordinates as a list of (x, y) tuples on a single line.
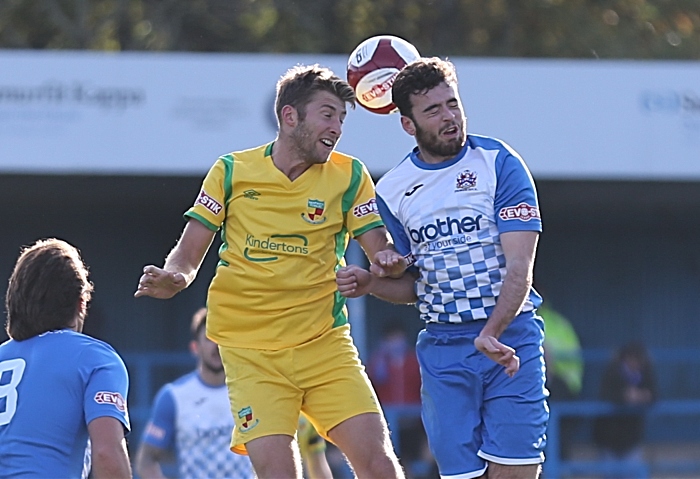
[(289, 116), (408, 125), (82, 307), (79, 319), (194, 348)]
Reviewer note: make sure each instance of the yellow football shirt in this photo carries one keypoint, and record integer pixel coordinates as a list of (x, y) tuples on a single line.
[(282, 243)]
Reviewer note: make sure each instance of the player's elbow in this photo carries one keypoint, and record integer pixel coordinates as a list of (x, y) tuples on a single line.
[(110, 463), (520, 271), (110, 458)]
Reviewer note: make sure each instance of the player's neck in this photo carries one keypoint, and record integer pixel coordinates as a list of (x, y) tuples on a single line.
[(286, 158), (432, 159)]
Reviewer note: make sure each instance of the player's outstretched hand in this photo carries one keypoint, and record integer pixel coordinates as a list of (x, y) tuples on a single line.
[(353, 281), (388, 263), (159, 283), (499, 352)]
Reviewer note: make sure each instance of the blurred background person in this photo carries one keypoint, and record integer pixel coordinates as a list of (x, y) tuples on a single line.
[(393, 368), (313, 451), (192, 418), (563, 355), (565, 366), (629, 380), (175, 428)]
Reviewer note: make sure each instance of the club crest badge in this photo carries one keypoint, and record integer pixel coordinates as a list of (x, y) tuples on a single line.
[(314, 212), (466, 181), (248, 421)]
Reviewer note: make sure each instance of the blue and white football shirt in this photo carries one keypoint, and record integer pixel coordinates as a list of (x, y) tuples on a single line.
[(195, 419), (450, 217), (51, 387)]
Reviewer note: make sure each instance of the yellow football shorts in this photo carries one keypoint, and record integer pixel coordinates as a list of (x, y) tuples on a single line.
[(323, 378)]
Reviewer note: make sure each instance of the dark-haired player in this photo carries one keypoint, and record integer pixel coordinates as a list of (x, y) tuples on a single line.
[(58, 387), (465, 207), (191, 417)]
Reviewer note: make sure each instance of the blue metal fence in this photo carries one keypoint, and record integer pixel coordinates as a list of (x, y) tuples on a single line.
[(555, 467), (147, 375)]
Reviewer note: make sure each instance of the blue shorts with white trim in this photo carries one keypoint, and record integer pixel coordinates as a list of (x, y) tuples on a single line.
[(472, 411)]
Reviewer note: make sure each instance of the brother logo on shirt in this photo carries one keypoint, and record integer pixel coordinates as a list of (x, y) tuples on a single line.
[(447, 227), (214, 432)]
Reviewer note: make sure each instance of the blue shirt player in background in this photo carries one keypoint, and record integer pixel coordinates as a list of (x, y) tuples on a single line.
[(62, 393), (191, 416), (464, 208)]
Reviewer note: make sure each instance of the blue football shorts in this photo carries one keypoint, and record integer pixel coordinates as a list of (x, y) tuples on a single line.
[(472, 411)]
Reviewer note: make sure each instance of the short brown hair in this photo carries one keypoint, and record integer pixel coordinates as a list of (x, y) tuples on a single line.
[(419, 77), (199, 322), (299, 84), (45, 289)]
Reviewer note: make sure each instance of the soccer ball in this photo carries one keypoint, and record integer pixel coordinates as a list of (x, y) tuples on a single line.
[(372, 69)]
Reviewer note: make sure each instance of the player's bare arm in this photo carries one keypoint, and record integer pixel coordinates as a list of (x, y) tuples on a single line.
[(380, 250), (354, 281), (519, 248), (110, 459), (181, 265), (148, 462)]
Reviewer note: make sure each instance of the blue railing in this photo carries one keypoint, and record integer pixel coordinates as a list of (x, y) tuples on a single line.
[(144, 383), (393, 415), (555, 467)]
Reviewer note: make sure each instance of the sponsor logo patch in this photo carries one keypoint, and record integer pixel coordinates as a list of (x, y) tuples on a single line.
[(444, 228), (522, 212), (365, 209), (410, 259), (155, 431), (116, 399), (267, 249), (208, 202)]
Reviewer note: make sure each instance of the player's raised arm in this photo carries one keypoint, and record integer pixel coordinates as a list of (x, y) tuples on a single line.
[(181, 265), (385, 260), (354, 281)]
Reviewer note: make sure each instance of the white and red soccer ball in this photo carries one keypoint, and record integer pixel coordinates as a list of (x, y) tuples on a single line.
[(372, 69)]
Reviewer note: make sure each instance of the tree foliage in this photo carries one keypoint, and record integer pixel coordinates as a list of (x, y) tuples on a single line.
[(641, 29)]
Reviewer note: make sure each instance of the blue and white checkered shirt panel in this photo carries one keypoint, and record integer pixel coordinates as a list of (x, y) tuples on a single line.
[(450, 217)]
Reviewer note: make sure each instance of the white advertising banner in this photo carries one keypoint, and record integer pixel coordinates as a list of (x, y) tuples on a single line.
[(590, 119), (70, 112)]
